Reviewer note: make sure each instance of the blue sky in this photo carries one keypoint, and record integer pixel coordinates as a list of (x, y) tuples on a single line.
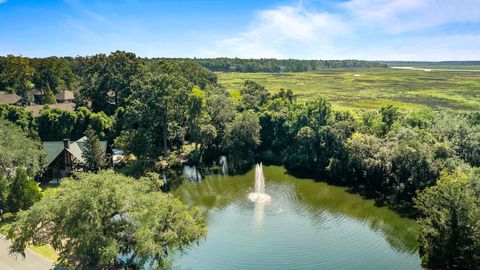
[(305, 29)]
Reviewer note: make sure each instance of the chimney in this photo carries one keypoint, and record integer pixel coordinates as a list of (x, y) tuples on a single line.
[(66, 143)]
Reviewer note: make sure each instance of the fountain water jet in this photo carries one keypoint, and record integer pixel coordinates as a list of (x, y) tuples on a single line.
[(223, 164), (259, 195), (191, 174)]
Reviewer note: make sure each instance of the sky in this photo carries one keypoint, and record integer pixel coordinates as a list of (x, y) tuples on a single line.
[(422, 30)]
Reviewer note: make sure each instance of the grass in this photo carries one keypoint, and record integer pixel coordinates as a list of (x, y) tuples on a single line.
[(374, 87), (46, 251)]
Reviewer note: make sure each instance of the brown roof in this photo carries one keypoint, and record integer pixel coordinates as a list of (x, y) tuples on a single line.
[(65, 95), (35, 92), (7, 98), (35, 109)]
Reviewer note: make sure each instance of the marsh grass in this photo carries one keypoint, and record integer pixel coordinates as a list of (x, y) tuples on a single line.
[(375, 87)]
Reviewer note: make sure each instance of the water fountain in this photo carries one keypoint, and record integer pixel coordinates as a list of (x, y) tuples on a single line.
[(192, 174), (223, 164), (259, 195)]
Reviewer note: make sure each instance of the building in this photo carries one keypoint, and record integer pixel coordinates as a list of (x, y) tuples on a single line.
[(36, 96), (11, 99), (65, 96), (65, 157)]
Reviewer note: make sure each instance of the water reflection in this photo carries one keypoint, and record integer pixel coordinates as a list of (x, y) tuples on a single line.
[(259, 213), (306, 222)]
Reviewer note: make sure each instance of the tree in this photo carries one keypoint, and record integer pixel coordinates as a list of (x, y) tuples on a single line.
[(254, 95), (389, 115), (450, 228), (55, 124), (221, 111), (17, 75), (23, 192), (54, 73), (96, 218), (20, 117), (17, 150), (101, 123), (242, 137), (196, 106), (48, 96), (107, 80), (93, 154), (4, 190), (151, 119)]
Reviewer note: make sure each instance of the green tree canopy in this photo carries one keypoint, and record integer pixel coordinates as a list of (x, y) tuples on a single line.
[(17, 150), (107, 80), (254, 95), (94, 219), (93, 153), (20, 117), (17, 74), (54, 73), (23, 192), (48, 96), (450, 225), (242, 137)]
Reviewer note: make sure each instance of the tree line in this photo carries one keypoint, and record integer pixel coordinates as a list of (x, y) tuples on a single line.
[(170, 112), (275, 65), (52, 75)]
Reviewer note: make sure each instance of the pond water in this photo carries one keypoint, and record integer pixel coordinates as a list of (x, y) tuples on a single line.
[(305, 225)]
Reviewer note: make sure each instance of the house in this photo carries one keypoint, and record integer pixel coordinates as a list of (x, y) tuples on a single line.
[(10, 99), (36, 96), (65, 96), (65, 157)]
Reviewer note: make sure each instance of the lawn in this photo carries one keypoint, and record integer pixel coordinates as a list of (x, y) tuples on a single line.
[(373, 87)]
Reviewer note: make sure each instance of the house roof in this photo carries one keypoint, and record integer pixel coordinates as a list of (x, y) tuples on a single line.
[(35, 109), (76, 148), (7, 98), (35, 92), (53, 149), (65, 95)]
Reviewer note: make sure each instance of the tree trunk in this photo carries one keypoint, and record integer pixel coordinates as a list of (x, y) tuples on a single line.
[(196, 152), (165, 136)]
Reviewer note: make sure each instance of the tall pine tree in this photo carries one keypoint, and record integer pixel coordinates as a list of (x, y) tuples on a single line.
[(93, 154), (48, 96)]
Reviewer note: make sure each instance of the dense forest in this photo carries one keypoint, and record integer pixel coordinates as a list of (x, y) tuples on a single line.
[(166, 113), (275, 65)]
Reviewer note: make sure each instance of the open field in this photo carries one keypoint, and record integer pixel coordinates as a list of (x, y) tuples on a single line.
[(373, 87)]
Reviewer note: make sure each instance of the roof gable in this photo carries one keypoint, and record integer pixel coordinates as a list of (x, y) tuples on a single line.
[(76, 148), (53, 149)]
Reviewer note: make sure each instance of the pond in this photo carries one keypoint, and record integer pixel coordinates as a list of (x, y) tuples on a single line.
[(305, 225)]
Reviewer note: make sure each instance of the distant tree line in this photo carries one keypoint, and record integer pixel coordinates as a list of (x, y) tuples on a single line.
[(275, 65), (20, 74), (430, 63)]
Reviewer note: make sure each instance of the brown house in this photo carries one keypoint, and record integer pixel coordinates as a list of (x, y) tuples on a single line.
[(65, 157), (11, 99), (65, 96)]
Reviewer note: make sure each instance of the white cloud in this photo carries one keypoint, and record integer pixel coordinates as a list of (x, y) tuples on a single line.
[(409, 15), (276, 32), (435, 48), (366, 29), (3, 1)]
